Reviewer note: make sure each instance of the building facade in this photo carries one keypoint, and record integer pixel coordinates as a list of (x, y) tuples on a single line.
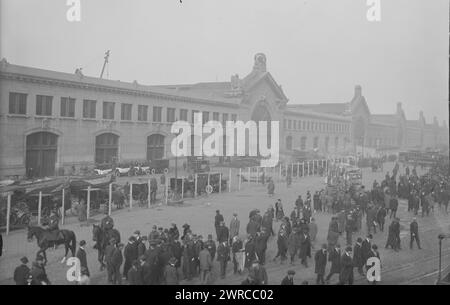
[(51, 121)]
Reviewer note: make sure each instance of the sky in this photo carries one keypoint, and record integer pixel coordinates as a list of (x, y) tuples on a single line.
[(318, 50)]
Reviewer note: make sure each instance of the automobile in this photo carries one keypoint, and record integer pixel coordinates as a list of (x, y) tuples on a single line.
[(102, 171), (122, 170)]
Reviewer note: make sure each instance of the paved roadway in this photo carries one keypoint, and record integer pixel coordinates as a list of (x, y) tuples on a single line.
[(404, 267)]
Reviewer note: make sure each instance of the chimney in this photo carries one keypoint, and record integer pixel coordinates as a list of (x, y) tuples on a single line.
[(358, 91), (399, 107)]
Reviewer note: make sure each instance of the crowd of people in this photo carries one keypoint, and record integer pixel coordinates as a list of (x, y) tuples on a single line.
[(169, 255)]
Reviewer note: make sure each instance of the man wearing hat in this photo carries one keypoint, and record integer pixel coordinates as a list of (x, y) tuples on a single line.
[(320, 259), (116, 262), (153, 234), (210, 245), (22, 272), (223, 233), (170, 272), (131, 254), (218, 219), (259, 273), (289, 278), (414, 231), (358, 258), (223, 256), (151, 257), (234, 227), (346, 275), (109, 251), (81, 255), (38, 274)]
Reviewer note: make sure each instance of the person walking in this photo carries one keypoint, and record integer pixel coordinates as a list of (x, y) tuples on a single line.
[(414, 232), (205, 265), (335, 259), (320, 259), (346, 274), (81, 255), (234, 227), (223, 256), (116, 263)]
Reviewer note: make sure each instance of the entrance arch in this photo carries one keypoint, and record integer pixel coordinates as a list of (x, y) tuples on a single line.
[(106, 148), (262, 113), (41, 154)]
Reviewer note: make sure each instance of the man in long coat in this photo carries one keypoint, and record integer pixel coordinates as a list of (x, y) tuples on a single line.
[(358, 259), (234, 227), (346, 275), (320, 259), (305, 248), (293, 244), (335, 258)]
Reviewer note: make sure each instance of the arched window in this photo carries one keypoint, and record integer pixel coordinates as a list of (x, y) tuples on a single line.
[(155, 147), (41, 154), (289, 142), (106, 148)]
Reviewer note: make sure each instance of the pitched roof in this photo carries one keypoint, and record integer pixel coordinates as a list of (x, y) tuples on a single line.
[(331, 108), (203, 91), (384, 119), (414, 123)]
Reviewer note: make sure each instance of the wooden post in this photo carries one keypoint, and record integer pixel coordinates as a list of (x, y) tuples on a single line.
[(88, 212), (110, 199), (131, 195), (326, 166), (167, 190), (39, 208), (8, 213), (195, 185), (182, 187), (240, 179), (220, 182), (149, 195), (229, 181), (62, 207)]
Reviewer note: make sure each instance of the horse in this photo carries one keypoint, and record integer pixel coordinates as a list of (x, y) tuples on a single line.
[(102, 238), (44, 241)]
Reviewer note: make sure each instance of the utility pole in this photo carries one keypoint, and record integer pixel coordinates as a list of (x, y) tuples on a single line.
[(105, 63)]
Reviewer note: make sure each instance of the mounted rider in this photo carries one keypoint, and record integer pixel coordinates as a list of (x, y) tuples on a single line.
[(107, 223), (53, 227)]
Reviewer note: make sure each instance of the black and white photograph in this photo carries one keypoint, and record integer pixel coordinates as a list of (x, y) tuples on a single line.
[(207, 144)]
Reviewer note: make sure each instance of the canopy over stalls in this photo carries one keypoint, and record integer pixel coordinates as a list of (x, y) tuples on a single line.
[(97, 181), (49, 186)]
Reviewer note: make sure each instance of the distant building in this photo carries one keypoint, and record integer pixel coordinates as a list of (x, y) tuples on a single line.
[(51, 121)]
